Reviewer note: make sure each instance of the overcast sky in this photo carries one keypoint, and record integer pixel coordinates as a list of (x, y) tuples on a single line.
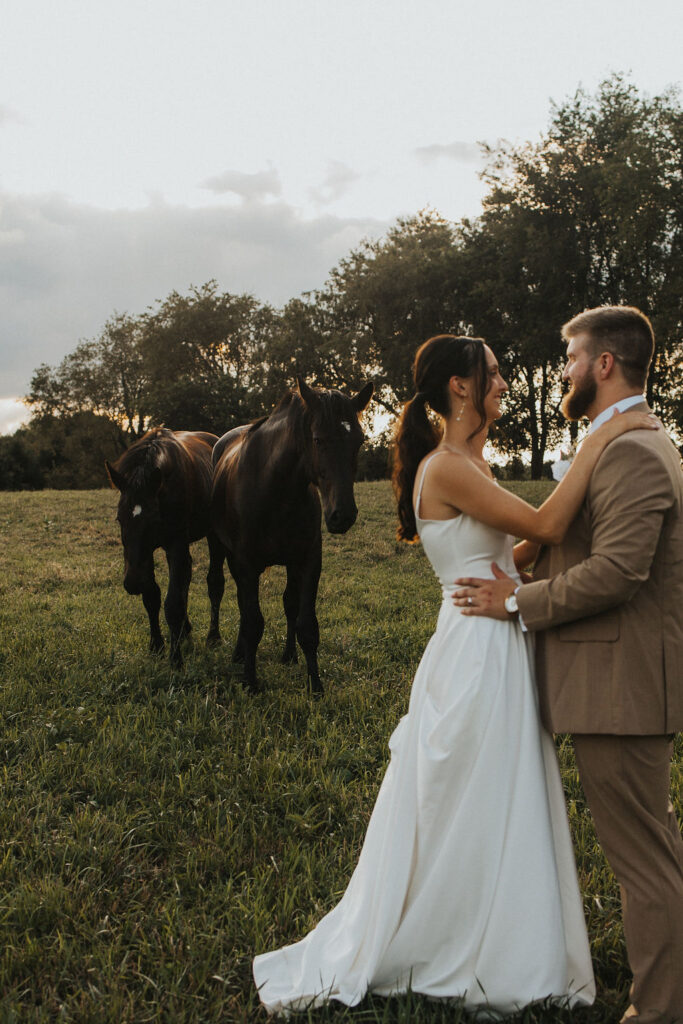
[(148, 145)]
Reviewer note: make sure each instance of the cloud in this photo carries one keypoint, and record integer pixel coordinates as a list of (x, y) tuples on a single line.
[(66, 267), (250, 187), (13, 414), (463, 152), (335, 184), (9, 116)]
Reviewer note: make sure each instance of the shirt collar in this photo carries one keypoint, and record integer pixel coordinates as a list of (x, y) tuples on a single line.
[(622, 405)]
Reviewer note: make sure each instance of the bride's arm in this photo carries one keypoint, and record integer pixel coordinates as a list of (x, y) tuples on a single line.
[(463, 486), (525, 554)]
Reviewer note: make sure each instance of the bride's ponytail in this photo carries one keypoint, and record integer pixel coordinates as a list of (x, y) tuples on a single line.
[(436, 361), (415, 437)]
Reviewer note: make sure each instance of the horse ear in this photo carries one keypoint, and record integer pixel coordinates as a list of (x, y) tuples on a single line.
[(363, 397), (116, 479), (306, 394)]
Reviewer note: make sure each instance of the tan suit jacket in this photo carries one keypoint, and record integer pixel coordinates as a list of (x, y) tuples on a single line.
[(607, 604)]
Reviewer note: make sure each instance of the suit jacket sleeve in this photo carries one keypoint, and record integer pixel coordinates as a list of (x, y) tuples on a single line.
[(628, 496)]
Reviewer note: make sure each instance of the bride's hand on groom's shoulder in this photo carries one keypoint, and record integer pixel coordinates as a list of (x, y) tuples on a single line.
[(621, 422)]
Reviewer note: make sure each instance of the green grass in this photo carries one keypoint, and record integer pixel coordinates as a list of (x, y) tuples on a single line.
[(157, 828)]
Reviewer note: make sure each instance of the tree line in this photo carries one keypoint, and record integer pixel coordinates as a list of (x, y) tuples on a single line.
[(591, 213)]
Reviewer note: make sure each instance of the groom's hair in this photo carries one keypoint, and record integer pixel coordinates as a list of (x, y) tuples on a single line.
[(623, 331)]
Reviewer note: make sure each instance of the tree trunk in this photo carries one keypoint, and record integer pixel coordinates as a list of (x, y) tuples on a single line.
[(536, 463)]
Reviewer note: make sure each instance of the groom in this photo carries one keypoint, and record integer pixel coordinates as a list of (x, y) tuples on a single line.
[(606, 607)]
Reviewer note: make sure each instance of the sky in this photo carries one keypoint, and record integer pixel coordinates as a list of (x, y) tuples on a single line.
[(150, 145)]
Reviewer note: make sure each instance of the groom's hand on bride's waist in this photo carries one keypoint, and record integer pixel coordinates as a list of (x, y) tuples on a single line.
[(486, 597)]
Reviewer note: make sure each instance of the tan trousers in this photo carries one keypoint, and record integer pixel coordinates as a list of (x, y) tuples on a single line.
[(626, 780)]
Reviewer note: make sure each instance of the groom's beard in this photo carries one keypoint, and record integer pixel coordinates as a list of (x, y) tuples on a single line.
[(579, 399)]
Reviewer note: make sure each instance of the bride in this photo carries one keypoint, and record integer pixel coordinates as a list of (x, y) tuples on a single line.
[(465, 887)]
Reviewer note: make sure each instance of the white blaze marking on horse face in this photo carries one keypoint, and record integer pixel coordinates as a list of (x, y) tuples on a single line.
[(346, 425), (137, 510)]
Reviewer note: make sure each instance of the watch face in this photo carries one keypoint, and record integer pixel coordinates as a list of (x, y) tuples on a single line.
[(511, 604)]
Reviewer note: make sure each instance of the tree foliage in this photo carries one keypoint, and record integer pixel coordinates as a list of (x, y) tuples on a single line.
[(106, 376), (205, 355), (65, 452)]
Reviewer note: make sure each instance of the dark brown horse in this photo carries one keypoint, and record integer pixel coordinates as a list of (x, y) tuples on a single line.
[(165, 484), (269, 480)]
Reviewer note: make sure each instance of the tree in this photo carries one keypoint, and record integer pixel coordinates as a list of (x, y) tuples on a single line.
[(590, 215), (205, 356), (20, 468), (105, 376), (120, 384), (510, 298), (196, 362), (627, 158), (64, 452)]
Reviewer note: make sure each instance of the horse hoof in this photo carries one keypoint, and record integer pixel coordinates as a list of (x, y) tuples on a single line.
[(290, 658), (156, 646), (176, 657), (316, 688), (213, 640)]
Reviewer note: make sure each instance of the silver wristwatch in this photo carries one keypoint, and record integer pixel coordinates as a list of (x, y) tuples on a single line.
[(511, 606)]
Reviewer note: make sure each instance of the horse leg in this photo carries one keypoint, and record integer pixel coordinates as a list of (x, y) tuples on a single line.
[(175, 606), (215, 581), (251, 621), (151, 598), (290, 600), (307, 631), (238, 650), (186, 628)]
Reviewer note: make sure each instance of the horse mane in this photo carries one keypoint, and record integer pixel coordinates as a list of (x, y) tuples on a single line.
[(333, 407), (285, 401), (151, 451)]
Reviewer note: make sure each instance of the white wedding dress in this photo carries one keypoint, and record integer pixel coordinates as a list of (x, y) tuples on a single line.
[(466, 885)]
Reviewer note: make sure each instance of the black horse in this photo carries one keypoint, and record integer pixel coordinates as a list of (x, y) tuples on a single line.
[(266, 509), (165, 484)]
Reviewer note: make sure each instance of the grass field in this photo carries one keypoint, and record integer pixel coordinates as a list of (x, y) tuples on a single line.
[(158, 828)]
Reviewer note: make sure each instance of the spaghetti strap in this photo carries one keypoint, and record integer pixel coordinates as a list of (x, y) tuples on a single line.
[(439, 451)]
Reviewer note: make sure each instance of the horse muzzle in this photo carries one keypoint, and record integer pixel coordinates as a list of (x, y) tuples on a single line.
[(132, 584), (136, 580), (340, 522)]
